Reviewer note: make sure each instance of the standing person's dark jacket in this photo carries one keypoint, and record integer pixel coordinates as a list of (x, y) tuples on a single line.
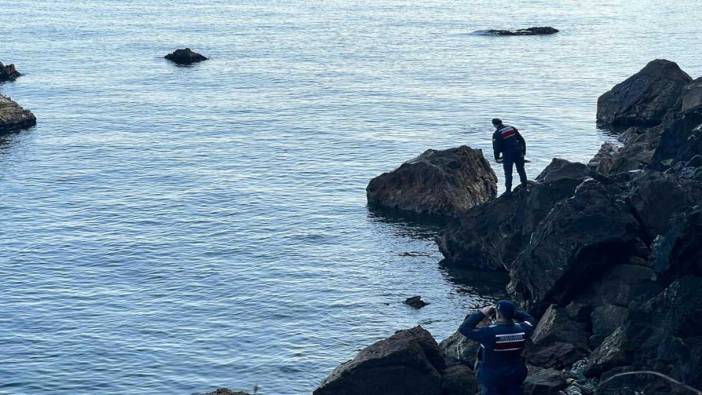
[(501, 369), (508, 142)]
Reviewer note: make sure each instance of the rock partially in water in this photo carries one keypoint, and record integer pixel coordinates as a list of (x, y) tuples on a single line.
[(13, 116), (645, 98), (493, 234), (226, 391), (8, 72), (530, 31), (437, 183), (416, 302), (185, 56), (407, 363)]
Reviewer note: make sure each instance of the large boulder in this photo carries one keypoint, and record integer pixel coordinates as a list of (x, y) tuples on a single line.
[(692, 95), (645, 98), (558, 340), (681, 140), (185, 56), (491, 235), (13, 116), (679, 251), (574, 244), (542, 381), (8, 72), (561, 168), (439, 183), (458, 380), (407, 363)]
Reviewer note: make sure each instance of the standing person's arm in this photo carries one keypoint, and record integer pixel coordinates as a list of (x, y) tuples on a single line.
[(520, 139), (497, 145), (526, 320), (468, 327)]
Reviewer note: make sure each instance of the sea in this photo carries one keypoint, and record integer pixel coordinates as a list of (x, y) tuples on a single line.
[(169, 229)]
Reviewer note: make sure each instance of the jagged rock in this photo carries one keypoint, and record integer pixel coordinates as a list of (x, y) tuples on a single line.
[(457, 350), (440, 183), (679, 251), (620, 285), (542, 381), (578, 239), (407, 363), (560, 168), (8, 72), (557, 341), (692, 95), (185, 56), (530, 31), (681, 140), (416, 302), (13, 116), (609, 354), (226, 391), (458, 380), (645, 98), (603, 162), (491, 235), (656, 197), (605, 320)]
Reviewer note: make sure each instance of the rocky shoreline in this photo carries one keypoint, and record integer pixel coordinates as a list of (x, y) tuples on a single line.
[(607, 254)]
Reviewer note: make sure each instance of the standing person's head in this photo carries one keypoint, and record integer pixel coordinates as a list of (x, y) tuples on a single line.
[(504, 310), (496, 122)]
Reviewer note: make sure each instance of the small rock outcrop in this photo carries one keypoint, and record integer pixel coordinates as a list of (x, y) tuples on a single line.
[(442, 183), (8, 72), (185, 56), (13, 116), (407, 363), (645, 98), (416, 302), (530, 31), (560, 168), (226, 391)]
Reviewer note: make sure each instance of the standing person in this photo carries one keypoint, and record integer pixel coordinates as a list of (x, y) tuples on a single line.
[(507, 142), (501, 369)]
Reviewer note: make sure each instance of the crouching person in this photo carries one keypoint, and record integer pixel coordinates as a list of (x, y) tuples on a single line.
[(501, 369)]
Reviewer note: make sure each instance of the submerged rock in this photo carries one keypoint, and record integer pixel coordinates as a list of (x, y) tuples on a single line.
[(13, 116), (185, 56), (8, 72), (226, 391), (407, 363), (436, 183), (530, 31), (645, 98)]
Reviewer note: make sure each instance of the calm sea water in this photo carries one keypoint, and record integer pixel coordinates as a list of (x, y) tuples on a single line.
[(172, 229)]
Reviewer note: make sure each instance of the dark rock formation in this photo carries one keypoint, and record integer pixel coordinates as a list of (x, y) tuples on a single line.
[(490, 236), (544, 381), (579, 238), (226, 391), (692, 95), (8, 72), (458, 380), (681, 140), (416, 302), (530, 31), (645, 98), (560, 168), (185, 56), (406, 363), (457, 350), (13, 116), (558, 340), (439, 183), (679, 251)]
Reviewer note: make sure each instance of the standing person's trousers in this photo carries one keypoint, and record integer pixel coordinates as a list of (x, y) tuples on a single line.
[(506, 380), (508, 162)]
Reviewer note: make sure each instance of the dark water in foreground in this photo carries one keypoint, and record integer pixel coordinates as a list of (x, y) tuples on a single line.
[(169, 229)]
